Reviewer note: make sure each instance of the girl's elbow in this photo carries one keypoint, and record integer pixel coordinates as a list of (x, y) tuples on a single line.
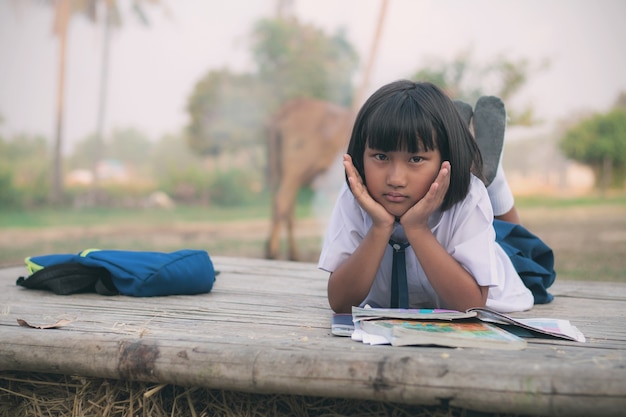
[(338, 297), (339, 307), (478, 300), (481, 300)]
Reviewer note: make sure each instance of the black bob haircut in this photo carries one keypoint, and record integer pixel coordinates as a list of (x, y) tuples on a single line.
[(405, 115)]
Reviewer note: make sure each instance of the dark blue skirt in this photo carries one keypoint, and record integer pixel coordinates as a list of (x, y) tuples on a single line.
[(531, 257)]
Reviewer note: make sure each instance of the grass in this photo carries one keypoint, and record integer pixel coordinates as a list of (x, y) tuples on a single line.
[(39, 395), (535, 201), (219, 230), (587, 234), (55, 217)]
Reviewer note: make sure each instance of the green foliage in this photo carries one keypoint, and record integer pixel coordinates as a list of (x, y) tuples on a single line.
[(188, 184), (7, 189), (194, 185), (24, 171), (169, 153), (168, 166), (8, 192), (465, 80), (128, 145), (452, 77), (83, 153), (295, 60), (600, 142), (232, 188), (227, 111)]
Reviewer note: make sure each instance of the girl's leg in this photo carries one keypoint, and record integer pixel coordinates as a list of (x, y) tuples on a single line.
[(489, 125)]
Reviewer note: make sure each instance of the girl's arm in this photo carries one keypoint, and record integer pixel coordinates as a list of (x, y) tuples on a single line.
[(350, 283), (453, 283)]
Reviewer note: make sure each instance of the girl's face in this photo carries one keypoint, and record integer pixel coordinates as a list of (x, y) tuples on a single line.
[(399, 179)]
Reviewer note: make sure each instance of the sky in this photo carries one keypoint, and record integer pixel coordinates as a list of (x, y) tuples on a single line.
[(154, 69)]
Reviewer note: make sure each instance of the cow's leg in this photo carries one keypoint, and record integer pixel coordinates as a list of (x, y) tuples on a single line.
[(283, 208), (293, 250), (273, 242)]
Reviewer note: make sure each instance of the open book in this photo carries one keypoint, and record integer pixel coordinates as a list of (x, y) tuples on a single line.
[(532, 327), (451, 333), (367, 330), (343, 323)]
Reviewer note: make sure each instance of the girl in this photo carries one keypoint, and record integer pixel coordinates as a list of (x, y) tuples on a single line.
[(413, 174)]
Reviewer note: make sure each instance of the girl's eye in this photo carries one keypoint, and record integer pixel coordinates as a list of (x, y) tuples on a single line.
[(416, 158), (380, 156)]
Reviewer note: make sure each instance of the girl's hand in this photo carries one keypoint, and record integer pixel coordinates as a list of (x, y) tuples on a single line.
[(417, 216), (380, 216)]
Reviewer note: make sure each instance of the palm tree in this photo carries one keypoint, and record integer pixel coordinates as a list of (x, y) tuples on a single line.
[(62, 14), (64, 10), (373, 54)]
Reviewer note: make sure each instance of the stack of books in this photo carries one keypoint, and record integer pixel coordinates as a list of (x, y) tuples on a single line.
[(476, 327)]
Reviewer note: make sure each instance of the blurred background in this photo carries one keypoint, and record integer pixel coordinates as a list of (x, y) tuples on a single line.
[(145, 124)]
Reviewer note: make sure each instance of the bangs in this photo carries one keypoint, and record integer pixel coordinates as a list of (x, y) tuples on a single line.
[(400, 125)]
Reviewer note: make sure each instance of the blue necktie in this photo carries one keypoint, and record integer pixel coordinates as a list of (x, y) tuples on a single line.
[(399, 285)]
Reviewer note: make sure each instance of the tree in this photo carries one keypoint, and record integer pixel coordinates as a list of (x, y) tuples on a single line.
[(228, 111), (7, 189), (600, 142), (358, 98), (112, 19), (63, 12), (23, 178), (465, 80), (295, 60), (168, 155)]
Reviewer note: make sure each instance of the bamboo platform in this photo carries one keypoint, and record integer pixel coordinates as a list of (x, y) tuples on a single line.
[(265, 328)]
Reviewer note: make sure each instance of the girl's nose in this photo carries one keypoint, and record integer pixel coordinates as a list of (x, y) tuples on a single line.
[(396, 176)]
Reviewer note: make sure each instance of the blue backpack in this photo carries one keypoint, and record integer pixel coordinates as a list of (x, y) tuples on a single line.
[(134, 273)]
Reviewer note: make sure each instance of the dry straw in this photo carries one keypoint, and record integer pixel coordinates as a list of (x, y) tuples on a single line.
[(47, 395)]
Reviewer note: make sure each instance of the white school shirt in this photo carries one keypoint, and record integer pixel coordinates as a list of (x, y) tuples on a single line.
[(465, 231)]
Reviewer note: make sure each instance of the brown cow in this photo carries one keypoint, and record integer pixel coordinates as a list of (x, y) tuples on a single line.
[(305, 138)]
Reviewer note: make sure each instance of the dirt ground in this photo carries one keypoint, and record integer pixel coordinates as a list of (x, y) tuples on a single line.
[(589, 242)]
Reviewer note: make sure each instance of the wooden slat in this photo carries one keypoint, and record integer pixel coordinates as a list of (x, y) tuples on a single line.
[(265, 328)]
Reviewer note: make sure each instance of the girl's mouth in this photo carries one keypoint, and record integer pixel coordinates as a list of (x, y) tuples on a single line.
[(395, 197)]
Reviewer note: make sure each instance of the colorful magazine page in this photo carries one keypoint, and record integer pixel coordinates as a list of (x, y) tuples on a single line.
[(466, 333), (558, 328)]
